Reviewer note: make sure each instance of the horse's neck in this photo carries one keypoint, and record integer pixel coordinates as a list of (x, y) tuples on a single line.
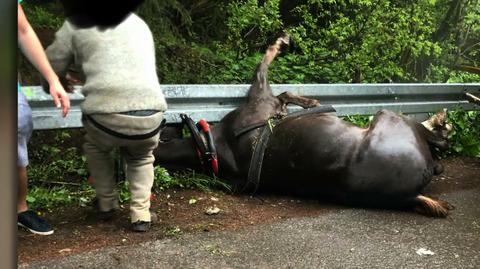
[(177, 152)]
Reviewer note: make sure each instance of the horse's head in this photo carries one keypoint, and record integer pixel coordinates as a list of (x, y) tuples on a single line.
[(438, 124), (436, 130)]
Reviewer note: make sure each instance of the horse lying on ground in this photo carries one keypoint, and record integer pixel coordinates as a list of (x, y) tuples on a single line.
[(387, 164)]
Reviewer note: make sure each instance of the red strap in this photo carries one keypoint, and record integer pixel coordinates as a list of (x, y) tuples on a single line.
[(204, 124), (215, 166)]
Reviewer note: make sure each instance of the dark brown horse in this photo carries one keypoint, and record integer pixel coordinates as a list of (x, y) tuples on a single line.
[(387, 164)]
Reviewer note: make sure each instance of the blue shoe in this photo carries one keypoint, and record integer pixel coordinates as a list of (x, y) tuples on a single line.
[(32, 222)]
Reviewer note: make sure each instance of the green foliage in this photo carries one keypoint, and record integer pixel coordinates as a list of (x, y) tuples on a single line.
[(340, 40), (193, 180), (163, 181), (51, 197), (57, 170), (463, 77), (53, 159), (44, 15), (359, 120), (189, 179), (180, 28), (464, 139), (251, 24)]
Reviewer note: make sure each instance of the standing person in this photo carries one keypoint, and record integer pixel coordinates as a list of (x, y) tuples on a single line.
[(33, 50), (113, 50)]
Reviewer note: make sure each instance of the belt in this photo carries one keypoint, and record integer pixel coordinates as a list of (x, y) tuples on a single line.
[(124, 136)]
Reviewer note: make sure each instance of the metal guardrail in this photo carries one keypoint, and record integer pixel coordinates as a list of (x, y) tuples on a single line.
[(212, 102)]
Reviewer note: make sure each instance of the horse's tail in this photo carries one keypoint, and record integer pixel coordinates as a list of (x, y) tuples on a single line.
[(260, 83), (431, 207)]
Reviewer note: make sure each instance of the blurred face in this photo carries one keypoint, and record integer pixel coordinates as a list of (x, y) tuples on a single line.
[(104, 13)]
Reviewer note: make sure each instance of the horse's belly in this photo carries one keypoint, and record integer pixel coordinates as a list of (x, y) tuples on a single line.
[(393, 166), (309, 156), (323, 156)]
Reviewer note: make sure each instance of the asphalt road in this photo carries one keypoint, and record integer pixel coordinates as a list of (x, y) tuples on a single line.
[(340, 238)]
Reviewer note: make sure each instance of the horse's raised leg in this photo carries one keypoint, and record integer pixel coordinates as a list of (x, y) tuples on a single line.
[(290, 98), (260, 87)]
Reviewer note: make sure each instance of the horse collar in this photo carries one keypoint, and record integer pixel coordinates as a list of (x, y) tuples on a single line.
[(203, 138)]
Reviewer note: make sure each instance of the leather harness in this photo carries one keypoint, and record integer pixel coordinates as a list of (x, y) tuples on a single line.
[(208, 154), (256, 163)]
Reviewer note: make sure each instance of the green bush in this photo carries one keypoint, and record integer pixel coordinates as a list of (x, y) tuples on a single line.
[(340, 41), (359, 120), (465, 137), (54, 159), (45, 14)]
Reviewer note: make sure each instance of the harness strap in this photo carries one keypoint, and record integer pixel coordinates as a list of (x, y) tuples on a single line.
[(317, 109), (249, 128), (211, 154), (256, 163), (195, 133), (255, 169)]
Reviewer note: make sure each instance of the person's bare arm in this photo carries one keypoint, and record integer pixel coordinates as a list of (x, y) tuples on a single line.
[(33, 50)]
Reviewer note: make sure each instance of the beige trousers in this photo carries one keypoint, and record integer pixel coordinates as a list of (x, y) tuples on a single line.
[(137, 154)]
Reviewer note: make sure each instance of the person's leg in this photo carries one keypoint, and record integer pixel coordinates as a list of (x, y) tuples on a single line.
[(22, 190), (139, 159), (25, 128), (26, 218), (102, 168)]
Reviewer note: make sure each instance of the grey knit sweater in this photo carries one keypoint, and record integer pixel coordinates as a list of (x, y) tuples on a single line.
[(118, 65)]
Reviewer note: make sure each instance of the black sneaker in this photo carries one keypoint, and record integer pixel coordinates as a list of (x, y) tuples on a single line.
[(32, 222), (103, 215), (107, 215), (141, 226)]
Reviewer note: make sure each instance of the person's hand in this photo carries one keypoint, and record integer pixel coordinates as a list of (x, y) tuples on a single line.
[(71, 81), (67, 84), (60, 96)]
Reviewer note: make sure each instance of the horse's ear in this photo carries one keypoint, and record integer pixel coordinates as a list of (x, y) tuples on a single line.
[(438, 120), (442, 122)]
